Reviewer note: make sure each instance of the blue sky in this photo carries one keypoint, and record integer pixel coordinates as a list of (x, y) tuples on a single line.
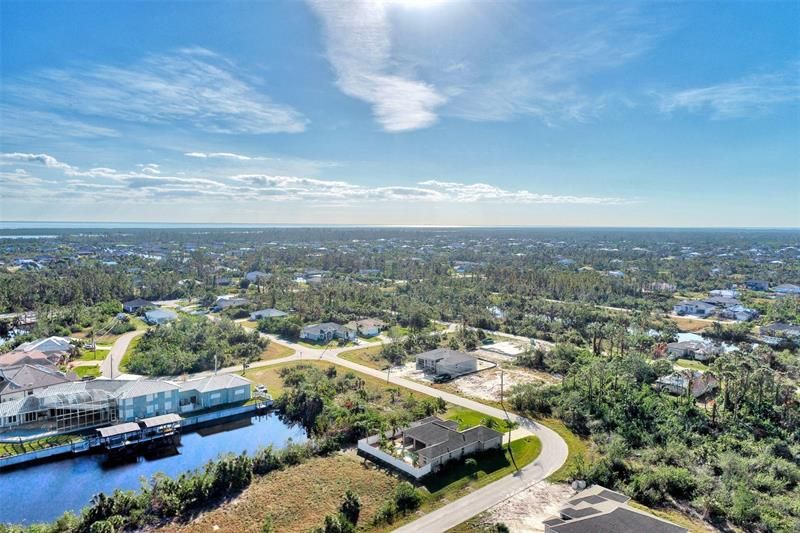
[(450, 112)]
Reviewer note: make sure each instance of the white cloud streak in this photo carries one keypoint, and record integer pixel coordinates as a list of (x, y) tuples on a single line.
[(225, 155), (190, 86), (748, 96), (358, 42), (150, 183)]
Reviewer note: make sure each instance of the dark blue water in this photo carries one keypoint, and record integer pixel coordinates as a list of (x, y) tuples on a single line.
[(42, 492)]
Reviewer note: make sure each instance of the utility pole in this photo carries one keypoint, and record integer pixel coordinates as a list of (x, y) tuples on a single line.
[(501, 388), (215, 364)]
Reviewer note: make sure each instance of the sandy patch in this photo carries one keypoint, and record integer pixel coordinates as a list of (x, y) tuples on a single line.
[(525, 511), (486, 385)]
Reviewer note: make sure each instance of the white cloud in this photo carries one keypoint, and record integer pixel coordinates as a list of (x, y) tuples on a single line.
[(225, 155), (145, 185), (358, 45), (194, 86), (751, 95), (43, 159)]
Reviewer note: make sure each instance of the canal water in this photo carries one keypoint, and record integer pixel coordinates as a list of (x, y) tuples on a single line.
[(42, 492)]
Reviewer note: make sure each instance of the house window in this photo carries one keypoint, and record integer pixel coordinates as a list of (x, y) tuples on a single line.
[(168, 405), (239, 392), (149, 409)]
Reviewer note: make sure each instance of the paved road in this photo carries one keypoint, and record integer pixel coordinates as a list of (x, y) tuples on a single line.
[(109, 368), (554, 449)]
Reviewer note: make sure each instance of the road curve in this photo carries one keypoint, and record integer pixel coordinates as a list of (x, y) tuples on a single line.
[(109, 368), (552, 457)]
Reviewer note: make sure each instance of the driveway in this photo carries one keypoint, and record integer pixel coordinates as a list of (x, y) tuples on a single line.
[(109, 368)]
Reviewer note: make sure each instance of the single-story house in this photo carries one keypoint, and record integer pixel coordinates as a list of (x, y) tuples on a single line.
[(694, 307), (757, 285), (213, 391), (159, 316), (722, 301), (443, 361), (327, 331), (787, 288), (496, 312), (266, 313), (739, 312), (600, 509), (697, 350), (426, 445), (133, 306), (223, 302), (680, 383), (255, 275), (50, 345), (368, 327), (724, 293), (780, 329)]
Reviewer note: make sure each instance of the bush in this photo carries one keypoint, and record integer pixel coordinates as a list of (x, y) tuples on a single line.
[(351, 506), (406, 497), (386, 514)]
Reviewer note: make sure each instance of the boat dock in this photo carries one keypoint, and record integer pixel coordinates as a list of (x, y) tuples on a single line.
[(162, 429)]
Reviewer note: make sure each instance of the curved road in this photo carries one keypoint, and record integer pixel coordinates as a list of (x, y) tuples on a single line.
[(109, 368), (553, 456)]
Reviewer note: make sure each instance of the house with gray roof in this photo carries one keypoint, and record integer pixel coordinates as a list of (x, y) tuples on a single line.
[(444, 361), (159, 316), (133, 306), (21, 381), (602, 510), (428, 444), (327, 331), (267, 313), (212, 391), (368, 327)]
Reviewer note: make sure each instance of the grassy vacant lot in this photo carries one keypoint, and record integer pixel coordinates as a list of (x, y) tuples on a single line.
[(87, 370), (468, 418), (694, 365), (276, 350), (369, 356), (123, 365), (90, 355), (688, 324), (673, 515), (299, 497)]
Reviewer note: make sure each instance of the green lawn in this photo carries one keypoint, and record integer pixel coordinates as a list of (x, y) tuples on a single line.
[(83, 371), (491, 467), (694, 365), (90, 355), (467, 418), (369, 356)]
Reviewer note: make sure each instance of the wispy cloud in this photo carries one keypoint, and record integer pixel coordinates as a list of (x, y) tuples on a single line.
[(24, 123), (153, 183), (225, 155), (195, 87), (358, 41), (752, 95), (551, 80)]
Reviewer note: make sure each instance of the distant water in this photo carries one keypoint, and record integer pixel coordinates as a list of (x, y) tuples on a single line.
[(43, 492)]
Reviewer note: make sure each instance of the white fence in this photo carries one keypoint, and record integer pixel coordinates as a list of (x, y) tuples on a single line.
[(366, 446)]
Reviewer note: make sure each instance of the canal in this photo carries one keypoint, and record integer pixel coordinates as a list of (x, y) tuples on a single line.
[(42, 492)]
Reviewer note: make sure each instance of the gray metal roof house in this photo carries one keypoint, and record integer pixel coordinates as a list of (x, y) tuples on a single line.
[(327, 331), (443, 361), (602, 510)]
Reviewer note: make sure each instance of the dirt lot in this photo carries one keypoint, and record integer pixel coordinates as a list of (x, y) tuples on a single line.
[(486, 385), (525, 511)]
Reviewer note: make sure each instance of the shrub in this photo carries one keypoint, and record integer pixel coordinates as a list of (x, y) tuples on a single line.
[(406, 497)]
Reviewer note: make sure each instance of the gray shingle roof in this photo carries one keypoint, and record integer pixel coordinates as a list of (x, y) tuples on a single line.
[(447, 355)]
